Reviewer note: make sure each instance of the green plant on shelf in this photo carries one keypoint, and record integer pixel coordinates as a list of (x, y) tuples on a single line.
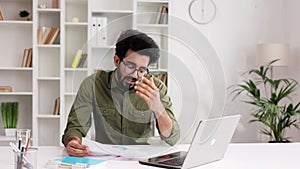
[(24, 15), (9, 111)]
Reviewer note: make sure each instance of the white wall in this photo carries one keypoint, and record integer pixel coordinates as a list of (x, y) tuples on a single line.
[(239, 25), (293, 34)]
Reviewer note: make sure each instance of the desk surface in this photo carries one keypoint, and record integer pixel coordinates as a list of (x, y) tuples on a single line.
[(246, 156)]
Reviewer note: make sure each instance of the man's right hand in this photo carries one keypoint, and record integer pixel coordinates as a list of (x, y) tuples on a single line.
[(75, 148)]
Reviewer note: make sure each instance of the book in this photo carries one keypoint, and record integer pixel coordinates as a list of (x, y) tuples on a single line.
[(82, 60), (1, 14), (51, 36), (25, 57), (158, 15), (46, 31), (80, 160), (56, 106), (76, 58), (39, 36), (54, 35), (29, 58), (162, 15), (48, 36), (5, 89)]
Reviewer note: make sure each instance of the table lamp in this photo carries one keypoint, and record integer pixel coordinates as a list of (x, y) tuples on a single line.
[(267, 52)]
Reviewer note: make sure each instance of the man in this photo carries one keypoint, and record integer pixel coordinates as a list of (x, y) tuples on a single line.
[(124, 102)]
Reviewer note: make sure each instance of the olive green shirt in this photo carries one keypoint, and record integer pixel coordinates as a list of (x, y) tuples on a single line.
[(119, 117)]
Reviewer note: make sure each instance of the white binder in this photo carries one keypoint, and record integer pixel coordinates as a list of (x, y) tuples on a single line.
[(101, 31), (93, 39)]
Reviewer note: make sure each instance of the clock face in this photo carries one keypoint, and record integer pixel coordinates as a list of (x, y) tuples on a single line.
[(202, 11)]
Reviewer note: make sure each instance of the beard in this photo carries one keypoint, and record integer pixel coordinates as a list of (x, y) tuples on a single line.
[(125, 83)]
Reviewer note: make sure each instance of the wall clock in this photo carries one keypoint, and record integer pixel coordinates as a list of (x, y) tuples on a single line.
[(202, 11)]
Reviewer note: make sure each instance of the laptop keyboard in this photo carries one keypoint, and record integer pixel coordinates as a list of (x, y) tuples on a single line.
[(178, 161)]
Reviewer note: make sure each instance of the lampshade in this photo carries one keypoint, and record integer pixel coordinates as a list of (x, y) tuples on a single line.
[(265, 53)]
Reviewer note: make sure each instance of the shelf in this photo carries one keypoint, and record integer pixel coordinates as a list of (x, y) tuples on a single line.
[(48, 78), (104, 47), (16, 93), (157, 70), (113, 11), (7, 138), (153, 25), (48, 116), (70, 94), (22, 1), (76, 24), (48, 46), (16, 68), (46, 10), (75, 69), (84, 2), (16, 22), (152, 1)]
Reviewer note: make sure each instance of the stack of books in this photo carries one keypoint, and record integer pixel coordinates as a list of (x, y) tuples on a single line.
[(27, 58), (5, 89), (79, 59), (162, 16), (47, 35), (1, 14)]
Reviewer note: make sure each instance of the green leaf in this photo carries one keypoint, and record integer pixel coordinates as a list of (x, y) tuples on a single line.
[(4, 114), (15, 109)]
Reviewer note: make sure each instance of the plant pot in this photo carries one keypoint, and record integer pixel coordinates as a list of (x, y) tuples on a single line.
[(24, 18), (10, 132)]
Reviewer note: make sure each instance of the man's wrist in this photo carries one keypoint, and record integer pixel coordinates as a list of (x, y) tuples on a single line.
[(161, 111), (70, 138)]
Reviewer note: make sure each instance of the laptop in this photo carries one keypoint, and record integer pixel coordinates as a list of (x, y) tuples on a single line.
[(209, 144)]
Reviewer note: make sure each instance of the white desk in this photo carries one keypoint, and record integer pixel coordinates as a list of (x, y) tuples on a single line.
[(239, 156)]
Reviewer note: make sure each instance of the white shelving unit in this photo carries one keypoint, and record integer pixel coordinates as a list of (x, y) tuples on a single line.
[(51, 74), (47, 76), (15, 37), (146, 19)]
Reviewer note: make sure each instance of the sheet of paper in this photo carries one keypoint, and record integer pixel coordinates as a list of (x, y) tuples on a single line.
[(127, 151)]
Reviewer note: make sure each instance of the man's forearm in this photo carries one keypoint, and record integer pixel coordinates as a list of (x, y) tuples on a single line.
[(165, 124)]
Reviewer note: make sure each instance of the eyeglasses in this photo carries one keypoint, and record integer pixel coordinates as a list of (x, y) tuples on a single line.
[(131, 68)]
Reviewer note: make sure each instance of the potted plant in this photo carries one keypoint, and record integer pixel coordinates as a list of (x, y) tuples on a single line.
[(9, 111), (24, 15), (271, 98)]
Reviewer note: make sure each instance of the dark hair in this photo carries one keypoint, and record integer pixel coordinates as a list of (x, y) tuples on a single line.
[(138, 42)]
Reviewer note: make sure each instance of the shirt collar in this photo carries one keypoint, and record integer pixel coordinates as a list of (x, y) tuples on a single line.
[(112, 81)]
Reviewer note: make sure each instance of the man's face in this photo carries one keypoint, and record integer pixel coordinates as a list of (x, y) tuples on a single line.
[(127, 81)]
